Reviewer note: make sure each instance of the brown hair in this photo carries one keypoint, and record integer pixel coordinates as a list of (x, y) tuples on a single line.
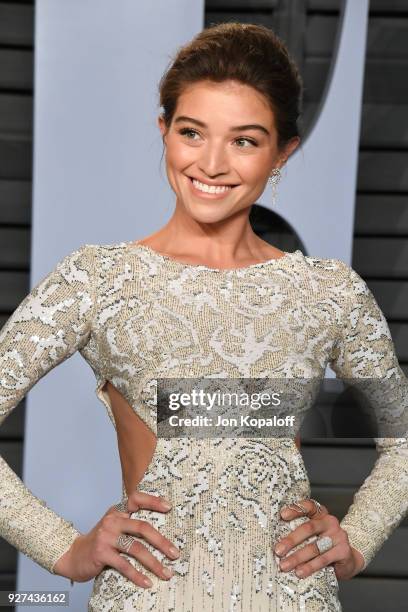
[(249, 53)]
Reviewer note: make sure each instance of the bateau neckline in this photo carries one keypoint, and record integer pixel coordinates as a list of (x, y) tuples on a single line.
[(269, 262)]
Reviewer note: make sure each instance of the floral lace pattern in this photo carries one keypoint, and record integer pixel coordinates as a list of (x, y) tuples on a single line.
[(135, 316)]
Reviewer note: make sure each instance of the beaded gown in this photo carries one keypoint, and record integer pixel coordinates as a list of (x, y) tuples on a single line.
[(136, 315)]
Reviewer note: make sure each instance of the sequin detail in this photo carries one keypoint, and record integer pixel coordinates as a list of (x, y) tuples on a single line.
[(135, 316)]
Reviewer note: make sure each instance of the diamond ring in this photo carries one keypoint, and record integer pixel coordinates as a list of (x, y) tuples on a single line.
[(318, 507), (324, 543), (299, 508), (125, 541)]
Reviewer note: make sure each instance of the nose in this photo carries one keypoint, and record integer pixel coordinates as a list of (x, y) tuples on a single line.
[(213, 160)]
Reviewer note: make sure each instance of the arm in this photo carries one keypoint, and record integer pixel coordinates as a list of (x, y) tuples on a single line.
[(52, 322), (364, 349)]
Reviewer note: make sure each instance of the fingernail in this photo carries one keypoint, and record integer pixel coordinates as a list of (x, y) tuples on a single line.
[(280, 549), (167, 572), (300, 572), (285, 513), (166, 504), (174, 552), (147, 582)]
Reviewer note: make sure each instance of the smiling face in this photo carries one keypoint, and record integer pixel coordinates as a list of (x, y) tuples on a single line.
[(221, 148)]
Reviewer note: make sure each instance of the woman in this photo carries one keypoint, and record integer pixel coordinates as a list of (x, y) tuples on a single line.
[(204, 296)]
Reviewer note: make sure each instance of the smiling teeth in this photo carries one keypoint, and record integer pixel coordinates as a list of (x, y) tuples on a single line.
[(210, 188)]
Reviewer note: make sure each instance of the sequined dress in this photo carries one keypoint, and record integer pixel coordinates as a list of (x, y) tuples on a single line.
[(136, 315)]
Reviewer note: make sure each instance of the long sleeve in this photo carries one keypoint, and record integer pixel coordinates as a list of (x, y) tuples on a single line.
[(364, 349), (52, 322)]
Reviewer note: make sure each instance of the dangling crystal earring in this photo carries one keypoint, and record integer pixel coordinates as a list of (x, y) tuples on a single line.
[(274, 180)]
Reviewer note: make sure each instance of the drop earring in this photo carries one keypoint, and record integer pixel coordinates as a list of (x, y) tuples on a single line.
[(274, 180)]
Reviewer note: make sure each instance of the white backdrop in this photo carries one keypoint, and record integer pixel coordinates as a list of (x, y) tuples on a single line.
[(96, 179)]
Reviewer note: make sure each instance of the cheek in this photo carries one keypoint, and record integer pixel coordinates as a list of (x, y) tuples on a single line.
[(253, 168), (179, 157)]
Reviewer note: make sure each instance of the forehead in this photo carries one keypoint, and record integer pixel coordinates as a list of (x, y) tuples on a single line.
[(229, 101)]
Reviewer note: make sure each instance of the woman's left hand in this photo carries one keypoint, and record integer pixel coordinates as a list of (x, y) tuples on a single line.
[(346, 560)]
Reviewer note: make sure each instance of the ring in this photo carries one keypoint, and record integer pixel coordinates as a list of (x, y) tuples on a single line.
[(324, 543), (303, 510), (299, 508), (125, 541), (122, 506), (318, 507)]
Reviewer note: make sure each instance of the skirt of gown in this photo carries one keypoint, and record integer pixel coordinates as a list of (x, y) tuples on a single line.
[(226, 495)]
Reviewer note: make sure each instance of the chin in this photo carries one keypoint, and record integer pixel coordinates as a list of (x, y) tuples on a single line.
[(205, 214), (211, 217)]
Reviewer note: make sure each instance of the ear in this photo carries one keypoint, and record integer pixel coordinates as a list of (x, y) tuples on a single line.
[(162, 127), (288, 150)]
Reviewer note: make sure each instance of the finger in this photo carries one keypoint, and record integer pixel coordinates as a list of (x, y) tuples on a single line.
[(123, 566), (339, 552), (138, 499), (146, 558), (149, 533), (304, 554), (305, 531), (291, 511)]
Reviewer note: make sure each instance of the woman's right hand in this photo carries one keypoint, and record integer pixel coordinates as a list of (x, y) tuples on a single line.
[(91, 552)]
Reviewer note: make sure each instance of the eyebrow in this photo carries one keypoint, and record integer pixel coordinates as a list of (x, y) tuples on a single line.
[(236, 128)]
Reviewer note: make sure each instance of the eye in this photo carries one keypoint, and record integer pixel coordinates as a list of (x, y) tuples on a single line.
[(249, 140), (187, 131)]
